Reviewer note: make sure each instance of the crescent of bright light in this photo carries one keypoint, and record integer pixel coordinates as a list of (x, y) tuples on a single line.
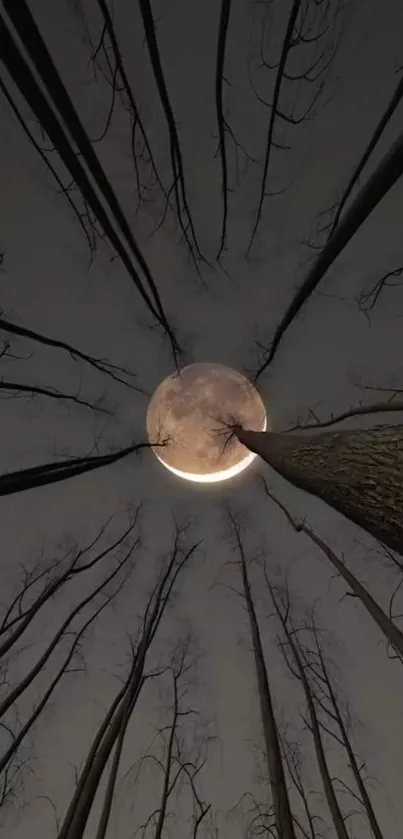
[(214, 477)]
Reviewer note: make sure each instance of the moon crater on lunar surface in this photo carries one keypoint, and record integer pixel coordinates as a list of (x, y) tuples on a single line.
[(186, 409)]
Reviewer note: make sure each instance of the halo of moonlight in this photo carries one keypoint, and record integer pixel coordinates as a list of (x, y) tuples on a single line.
[(186, 409)]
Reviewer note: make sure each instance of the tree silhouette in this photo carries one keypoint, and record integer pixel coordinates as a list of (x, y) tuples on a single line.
[(50, 621)]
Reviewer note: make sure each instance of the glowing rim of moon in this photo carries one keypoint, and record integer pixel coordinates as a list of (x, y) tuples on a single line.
[(214, 477)]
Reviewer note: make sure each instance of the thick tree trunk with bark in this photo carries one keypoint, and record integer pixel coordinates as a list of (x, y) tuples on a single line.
[(359, 473)]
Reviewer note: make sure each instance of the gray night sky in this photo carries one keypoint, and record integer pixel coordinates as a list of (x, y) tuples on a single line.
[(46, 284)]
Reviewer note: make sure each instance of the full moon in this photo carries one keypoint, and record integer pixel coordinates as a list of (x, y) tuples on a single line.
[(187, 410)]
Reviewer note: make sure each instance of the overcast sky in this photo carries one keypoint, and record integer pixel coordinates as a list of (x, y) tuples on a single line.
[(46, 284)]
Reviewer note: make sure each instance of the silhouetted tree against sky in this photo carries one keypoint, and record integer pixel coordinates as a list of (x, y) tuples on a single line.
[(389, 629), (40, 588), (176, 756), (180, 180), (329, 716), (283, 819), (111, 733), (327, 696), (296, 663)]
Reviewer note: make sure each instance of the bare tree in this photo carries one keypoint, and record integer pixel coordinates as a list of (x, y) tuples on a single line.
[(20, 390), (388, 628), (309, 46), (379, 130), (44, 580), (81, 217), (359, 473), (388, 171), (70, 633), (178, 751), (101, 365), (21, 74), (115, 722), (282, 609), (50, 473), (283, 818), (391, 405), (293, 760), (127, 96), (181, 200), (341, 719)]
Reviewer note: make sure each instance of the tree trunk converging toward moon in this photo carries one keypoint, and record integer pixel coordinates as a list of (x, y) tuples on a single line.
[(359, 473), (187, 410)]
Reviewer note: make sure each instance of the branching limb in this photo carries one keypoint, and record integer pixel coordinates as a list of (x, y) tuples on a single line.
[(176, 154), (23, 390), (27, 680), (99, 364), (378, 185), (367, 300), (391, 632), (18, 615), (77, 814), (20, 72)]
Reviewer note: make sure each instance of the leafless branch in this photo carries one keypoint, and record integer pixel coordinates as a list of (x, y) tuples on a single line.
[(122, 707), (378, 185), (379, 130), (18, 616), (99, 364), (367, 300), (51, 473), (176, 154), (391, 632), (19, 70)]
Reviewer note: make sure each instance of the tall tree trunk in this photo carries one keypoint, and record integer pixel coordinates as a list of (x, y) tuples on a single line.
[(386, 625), (359, 473), (334, 808), (367, 803), (282, 811)]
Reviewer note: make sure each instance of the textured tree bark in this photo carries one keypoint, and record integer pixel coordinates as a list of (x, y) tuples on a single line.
[(359, 473)]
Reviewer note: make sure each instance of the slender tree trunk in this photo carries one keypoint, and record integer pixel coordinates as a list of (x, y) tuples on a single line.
[(334, 808), (359, 473), (367, 803), (282, 810), (76, 818), (386, 625)]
